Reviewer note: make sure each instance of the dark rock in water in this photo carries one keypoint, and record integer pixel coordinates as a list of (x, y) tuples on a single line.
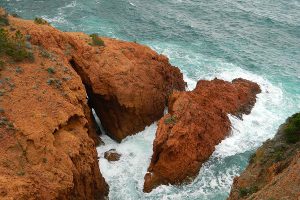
[(112, 155)]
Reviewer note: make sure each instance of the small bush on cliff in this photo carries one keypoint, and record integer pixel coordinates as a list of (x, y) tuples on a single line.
[(97, 41), (14, 46), (51, 70), (243, 192), (292, 129), (170, 120), (41, 21), (4, 21)]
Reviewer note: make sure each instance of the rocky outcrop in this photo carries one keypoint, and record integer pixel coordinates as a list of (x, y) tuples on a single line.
[(48, 133), (197, 121), (46, 130), (128, 84), (274, 169)]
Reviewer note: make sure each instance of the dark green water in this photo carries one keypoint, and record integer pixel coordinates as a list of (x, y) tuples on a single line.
[(258, 40)]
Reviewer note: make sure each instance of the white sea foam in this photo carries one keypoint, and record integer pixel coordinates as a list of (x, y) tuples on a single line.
[(125, 177)]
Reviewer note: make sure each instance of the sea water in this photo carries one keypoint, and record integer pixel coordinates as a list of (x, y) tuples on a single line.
[(258, 40)]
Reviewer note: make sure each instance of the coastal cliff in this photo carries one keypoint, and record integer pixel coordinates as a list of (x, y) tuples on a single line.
[(274, 169), (48, 134), (48, 138)]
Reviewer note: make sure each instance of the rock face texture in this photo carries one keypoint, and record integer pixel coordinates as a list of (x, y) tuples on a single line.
[(128, 83), (46, 130), (48, 133), (274, 169), (197, 121)]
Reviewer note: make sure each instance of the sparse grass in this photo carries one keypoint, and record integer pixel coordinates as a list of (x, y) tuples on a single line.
[(45, 54), (170, 120), (2, 92), (21, 173), (15, 15), (4, 122), (39, 20), (14, 46), (4, 21), (2, 65), (51, 70), (55, 82), (45, 160), (243, 192), (19, 70), (97, 41), (292, 129), (252, 158)]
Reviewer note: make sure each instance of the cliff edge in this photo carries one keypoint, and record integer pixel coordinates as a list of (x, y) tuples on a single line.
[(273, 172)]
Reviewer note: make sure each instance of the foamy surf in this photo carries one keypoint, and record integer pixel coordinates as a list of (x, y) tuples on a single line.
[(126, 176)]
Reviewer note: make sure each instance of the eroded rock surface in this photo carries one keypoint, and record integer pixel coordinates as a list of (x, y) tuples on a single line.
[(48, 133), (46, 146), (197, 121), (274, 169), (128, 83)]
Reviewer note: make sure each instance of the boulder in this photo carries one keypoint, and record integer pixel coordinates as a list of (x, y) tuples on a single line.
[(112, 155)]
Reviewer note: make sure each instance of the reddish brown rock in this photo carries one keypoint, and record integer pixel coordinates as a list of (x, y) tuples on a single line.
[(112, 155), (274, 169), (51, 153), (197, 121), (128, 83), (46, 130)]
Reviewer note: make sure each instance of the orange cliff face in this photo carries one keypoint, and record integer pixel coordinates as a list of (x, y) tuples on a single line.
[(197, 121), (46, 130), (128, 83)]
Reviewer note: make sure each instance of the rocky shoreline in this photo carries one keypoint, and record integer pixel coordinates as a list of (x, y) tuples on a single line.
[(50, 82)]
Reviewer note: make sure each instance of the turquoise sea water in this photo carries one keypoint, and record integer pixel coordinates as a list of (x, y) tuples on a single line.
[(258, 40)]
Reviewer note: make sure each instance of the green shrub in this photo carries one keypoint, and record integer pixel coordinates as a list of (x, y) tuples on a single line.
[(97, 41), (41, 21), (4, 21), (55, 82), (2, 65), (14, 46), (243, 192), (292, 129), (51, 70), (15, 15), (170, 120), (45, 53)]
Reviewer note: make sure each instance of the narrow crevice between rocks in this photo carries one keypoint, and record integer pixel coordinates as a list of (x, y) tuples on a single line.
[(89, 90)]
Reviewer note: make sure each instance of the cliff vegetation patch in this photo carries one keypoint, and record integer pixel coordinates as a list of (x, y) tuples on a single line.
[(292, 129), (97, 41), (14, 46)]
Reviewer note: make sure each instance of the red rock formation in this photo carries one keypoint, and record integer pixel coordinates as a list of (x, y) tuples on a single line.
[(47, 148), (196, 123), (129, 86), (128, 83)]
